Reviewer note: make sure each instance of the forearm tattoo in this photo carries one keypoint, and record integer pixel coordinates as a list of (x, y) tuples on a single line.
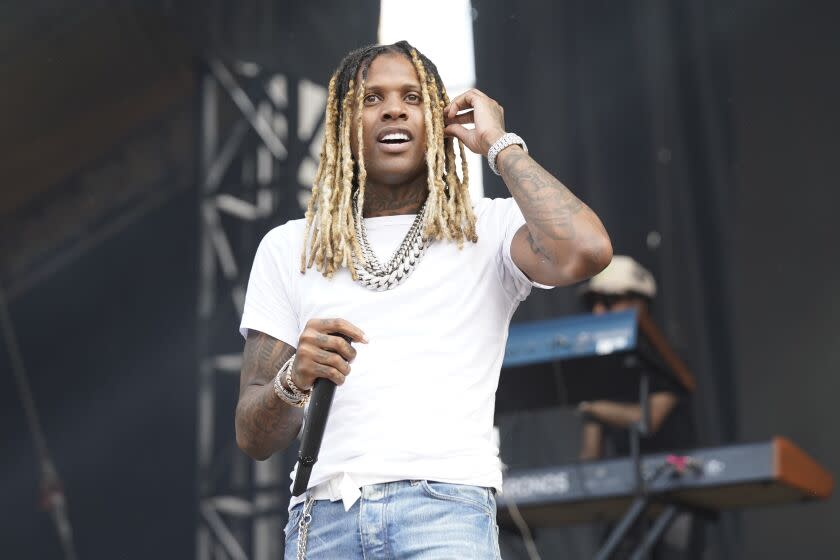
[(548, 206), (260, 415)]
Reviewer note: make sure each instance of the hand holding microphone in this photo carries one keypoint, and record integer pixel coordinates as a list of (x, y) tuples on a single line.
[(324, 351), (323, 362)]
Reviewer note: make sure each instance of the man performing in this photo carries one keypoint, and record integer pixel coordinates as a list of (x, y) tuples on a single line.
[(408, 467)]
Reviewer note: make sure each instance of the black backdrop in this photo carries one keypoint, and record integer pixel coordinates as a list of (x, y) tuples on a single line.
[(109, 343), (713, 124), (627, 103), (787, 272)]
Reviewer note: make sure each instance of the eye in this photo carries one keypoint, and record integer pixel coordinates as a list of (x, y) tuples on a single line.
[(370, 98), (413, 98)]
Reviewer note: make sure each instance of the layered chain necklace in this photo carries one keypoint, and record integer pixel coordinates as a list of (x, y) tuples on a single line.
[(372, 274)]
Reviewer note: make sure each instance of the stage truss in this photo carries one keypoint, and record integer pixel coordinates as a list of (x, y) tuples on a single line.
[(259, 141)]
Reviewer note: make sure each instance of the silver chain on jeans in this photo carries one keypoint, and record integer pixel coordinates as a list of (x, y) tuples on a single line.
[(303, 526)]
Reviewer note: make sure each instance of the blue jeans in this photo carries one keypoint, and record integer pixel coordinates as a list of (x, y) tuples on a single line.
[(417, 519)]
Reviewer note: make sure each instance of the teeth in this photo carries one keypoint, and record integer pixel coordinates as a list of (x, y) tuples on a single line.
[(395, 136)]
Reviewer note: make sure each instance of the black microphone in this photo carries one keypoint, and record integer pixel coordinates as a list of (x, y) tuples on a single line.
[(313, 429)]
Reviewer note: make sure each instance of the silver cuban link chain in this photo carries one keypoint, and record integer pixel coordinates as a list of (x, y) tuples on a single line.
[(303, 527), (372, 274)]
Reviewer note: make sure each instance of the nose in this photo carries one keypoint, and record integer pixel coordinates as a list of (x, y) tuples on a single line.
[(599, 309), (394, 109)]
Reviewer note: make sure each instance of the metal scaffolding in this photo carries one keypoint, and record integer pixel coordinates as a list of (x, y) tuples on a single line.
[(259, 142)]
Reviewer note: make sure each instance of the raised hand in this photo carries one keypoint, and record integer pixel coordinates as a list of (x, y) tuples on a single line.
[(482, 111)]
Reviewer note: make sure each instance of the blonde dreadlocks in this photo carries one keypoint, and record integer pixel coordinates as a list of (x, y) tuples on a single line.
[(329, 240)]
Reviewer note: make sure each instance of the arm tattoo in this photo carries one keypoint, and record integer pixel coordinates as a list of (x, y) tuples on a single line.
[(549, 207), (260, 416), (537, 249)]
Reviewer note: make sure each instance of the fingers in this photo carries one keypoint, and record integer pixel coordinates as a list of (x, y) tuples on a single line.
[(308, 370), (480, 110), (457, 131), (318, 341), (466, 136), (339, 326), (336, 345), (464, 101), (314, 361), (462, 118), (323, 351)]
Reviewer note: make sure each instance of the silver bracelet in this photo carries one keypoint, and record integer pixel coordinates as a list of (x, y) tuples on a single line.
[(293, 395), (285, 395), (291, 384), (507, 139)]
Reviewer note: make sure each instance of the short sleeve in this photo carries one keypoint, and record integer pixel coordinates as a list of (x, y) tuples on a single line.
[(268, 305), (504, 216)]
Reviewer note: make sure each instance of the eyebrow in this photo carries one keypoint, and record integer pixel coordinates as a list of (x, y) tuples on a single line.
[(404, 87)]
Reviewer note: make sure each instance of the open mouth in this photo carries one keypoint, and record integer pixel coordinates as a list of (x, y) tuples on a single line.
[(393, 136)]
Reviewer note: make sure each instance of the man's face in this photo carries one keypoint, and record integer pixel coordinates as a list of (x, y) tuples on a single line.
[(393, 123)]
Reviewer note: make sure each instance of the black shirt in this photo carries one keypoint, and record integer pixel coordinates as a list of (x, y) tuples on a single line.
[(677, 430)]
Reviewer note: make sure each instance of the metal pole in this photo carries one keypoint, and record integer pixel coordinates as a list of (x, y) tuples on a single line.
[(653, 535), (208, 140), (52, 492), (636, 509)]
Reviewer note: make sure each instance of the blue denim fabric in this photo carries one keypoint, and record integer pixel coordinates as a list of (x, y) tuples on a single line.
[(417, 520)]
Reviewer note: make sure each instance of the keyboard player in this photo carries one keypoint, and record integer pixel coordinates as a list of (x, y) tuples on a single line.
[(626, 284)]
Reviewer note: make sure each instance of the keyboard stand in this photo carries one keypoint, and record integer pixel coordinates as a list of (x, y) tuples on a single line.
[(652, 535), (642, 500)]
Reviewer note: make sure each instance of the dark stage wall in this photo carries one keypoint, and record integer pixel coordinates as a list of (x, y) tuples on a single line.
[(109, 344), (627, 103), (787, 268), (716, 127)]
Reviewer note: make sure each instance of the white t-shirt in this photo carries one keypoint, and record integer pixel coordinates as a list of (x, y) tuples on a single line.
[(419, 400)]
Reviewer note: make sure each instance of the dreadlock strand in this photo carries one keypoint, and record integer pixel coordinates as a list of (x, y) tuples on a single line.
[(444, 172), (437, 116), (452, 184), (322, 176), (447, 179), (344, 195), (448, 213), (461, 207), (346, 184), (432, 222), (466, 200), (331, 220), (355, 249)]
